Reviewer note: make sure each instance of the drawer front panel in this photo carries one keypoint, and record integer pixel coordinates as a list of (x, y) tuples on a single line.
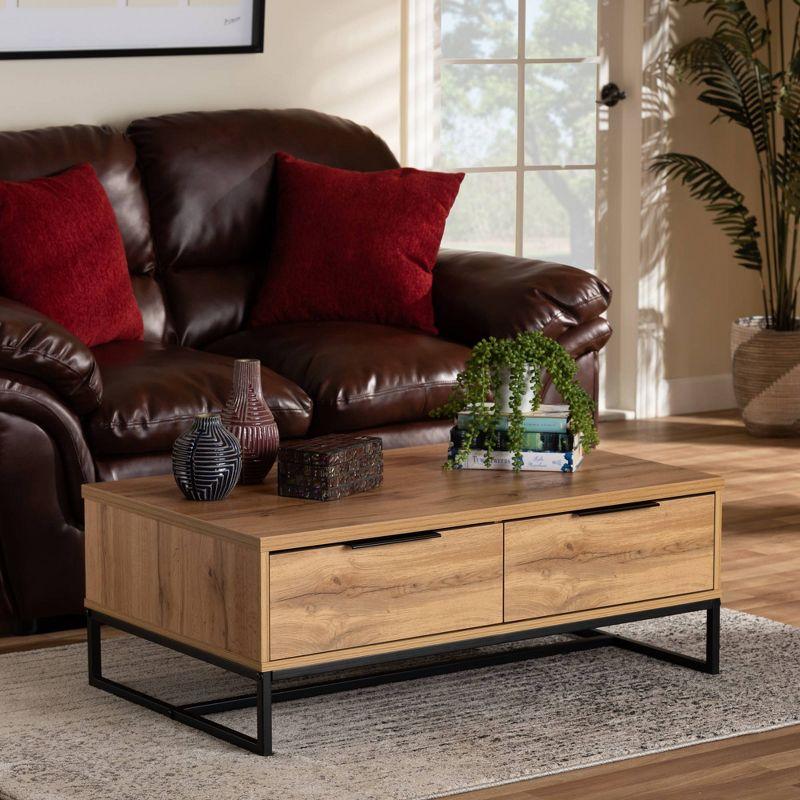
[(331, 598), (565, 562)]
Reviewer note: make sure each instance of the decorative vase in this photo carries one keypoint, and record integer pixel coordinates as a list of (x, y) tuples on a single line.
[(766, 377), (503, 398), (207, 459), (248, 418)]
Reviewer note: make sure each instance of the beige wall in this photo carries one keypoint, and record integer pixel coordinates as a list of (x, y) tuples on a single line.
[(338, 56), (344, 57), (704, 289)]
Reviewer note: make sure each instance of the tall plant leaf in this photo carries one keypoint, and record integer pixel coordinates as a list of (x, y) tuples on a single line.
[(791, 192), (735, 24), (789, 102), (787, 164), (720, 198), (737, 85), (749, 71)]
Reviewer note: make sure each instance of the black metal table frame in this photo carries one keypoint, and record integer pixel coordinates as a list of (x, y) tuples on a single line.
[(194, 714)]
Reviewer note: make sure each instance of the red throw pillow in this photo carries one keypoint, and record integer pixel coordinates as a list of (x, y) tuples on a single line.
[(356, 246), (61, 253)]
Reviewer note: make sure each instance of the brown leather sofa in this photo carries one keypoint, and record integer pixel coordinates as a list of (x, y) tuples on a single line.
[(193, 198)]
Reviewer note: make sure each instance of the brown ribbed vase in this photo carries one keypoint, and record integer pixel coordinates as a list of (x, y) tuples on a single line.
[(248, 418), (766, 377)]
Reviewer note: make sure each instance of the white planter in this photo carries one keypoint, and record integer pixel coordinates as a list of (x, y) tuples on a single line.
[(503, 398)]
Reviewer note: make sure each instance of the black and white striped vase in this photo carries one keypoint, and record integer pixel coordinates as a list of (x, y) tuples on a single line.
[(207, 459)]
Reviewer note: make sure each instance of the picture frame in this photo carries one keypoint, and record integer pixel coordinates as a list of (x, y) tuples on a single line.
[(37, 29)]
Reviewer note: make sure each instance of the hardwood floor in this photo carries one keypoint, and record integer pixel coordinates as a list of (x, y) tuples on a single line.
[(761, 571), (760, 574), (16, 644)]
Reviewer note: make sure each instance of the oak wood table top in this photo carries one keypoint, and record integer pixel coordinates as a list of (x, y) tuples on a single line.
[(416, 494)]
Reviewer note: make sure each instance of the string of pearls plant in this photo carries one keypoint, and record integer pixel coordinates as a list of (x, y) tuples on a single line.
[(519, 360)]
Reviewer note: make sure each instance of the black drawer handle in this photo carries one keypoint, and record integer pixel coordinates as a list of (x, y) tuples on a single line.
[(400, 538), (589, 512)]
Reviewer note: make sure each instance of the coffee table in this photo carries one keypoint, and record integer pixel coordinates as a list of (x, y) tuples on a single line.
[(433, 561)]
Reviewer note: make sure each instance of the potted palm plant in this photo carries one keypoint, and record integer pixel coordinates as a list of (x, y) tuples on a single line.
[(749, 69)]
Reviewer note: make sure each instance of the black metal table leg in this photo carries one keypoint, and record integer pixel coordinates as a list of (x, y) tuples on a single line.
[(708, 665), (194, 714), (191, 714), (94, 647), (264, 712), (712, 638)]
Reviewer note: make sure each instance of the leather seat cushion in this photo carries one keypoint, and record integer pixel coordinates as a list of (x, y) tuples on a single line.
[(404, 434), (359, 375), (151, 392), (413, 434)]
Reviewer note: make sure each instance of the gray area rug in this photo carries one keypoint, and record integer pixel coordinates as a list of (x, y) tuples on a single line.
[(59, 738)]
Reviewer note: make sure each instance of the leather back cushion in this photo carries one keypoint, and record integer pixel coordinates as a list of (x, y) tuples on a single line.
[(208, 177), (25, 155)]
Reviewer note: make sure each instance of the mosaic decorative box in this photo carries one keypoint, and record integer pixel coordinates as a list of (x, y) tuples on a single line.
[(330, 467)]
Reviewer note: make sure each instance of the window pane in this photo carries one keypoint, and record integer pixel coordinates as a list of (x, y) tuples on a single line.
[(483, 217), (479, 28), (561, 28), (479, 115), (560, 114), (558, 223)]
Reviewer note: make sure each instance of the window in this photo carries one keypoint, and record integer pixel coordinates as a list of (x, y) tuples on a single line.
[(514, 108)]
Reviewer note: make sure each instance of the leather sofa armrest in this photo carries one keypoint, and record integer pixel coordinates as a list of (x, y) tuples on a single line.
[(34, 345), (31, 400), (24, 400), (44, 461), (476, 295)]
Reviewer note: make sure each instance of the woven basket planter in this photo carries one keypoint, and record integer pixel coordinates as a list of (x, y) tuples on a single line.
[(766, 377)]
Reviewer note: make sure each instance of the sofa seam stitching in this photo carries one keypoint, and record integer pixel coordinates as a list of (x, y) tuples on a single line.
[(48, 357), (360, 397), (182, 418), (580, 303), (54, 416)]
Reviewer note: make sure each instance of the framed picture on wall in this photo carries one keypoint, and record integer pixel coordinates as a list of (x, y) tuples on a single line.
[(102, 28)]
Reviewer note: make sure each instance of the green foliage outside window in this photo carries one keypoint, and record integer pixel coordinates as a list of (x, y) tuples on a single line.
[(479, 122)]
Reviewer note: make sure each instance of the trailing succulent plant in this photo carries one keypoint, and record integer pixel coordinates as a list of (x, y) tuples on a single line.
[(519, 360)]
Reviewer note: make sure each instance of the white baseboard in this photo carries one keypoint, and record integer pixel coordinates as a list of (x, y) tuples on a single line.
[(688, 395), (614, 414)]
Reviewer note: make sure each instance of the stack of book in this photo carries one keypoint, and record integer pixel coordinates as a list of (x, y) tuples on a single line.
[(547, 444)]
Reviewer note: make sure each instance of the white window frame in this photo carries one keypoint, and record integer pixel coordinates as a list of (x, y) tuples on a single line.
[(423, 60), (633, 36)]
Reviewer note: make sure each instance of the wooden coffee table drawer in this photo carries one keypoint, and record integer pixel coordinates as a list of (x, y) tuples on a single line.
[(568, 562), (341, 596)]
